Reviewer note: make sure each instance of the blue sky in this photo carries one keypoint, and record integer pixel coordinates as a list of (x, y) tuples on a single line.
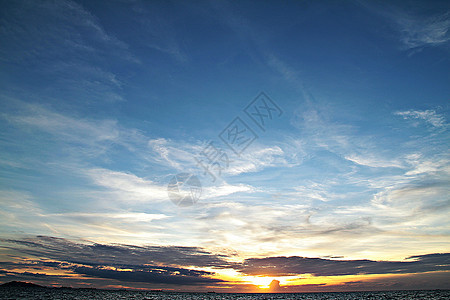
[(101, 105)]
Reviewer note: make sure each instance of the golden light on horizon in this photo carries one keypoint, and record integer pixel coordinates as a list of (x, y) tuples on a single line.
[(260, 282)]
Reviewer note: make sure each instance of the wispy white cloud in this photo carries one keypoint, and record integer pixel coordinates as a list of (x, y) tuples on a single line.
[(129, 187), (415, 27), (18, 202), (21, 213), (418, 32), (181, 156), (310, 216), (429, 116), (92, 137), (320, 130), (176, 154), (225, 189), (159, 33), (62, 41), (24, 213), (289, 74), (77, 30), (373, 161), (428, 166), (69, 128), (125, 217), (259, 157)]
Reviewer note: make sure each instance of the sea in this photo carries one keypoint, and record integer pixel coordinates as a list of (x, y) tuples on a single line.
[(78, 294)]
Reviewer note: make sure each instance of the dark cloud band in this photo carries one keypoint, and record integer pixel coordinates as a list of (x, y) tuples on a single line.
[(175, 265)]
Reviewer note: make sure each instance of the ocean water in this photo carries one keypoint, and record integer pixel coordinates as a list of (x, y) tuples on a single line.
[(78, 294)]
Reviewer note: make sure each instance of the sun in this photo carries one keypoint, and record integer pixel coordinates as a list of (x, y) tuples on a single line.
[(261, 282)]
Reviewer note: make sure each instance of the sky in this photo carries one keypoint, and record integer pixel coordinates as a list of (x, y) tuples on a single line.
[(234, 146)]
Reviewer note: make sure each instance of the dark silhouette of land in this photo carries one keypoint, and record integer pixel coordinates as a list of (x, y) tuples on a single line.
[(20, 284), (23, 284)]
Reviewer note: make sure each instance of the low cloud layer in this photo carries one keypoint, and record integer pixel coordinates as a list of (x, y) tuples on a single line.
[(116, 254), (166, 266), (295, 265), (124, 263)]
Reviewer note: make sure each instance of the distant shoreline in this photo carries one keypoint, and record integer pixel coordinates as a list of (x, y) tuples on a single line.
[(23, 284)]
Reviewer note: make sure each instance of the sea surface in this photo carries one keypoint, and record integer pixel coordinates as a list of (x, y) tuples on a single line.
[(78, 294)]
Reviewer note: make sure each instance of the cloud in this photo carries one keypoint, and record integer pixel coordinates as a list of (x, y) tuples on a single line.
[(225, 190), (417, 27), (41, 257), (160, 32), (408, 284), (77, 31), (414, 200), (372, 160), (168, 265), (182, 156), (162, 275), (256, 46), (64, 47), (275, 286), (176, 154), (82, 137), (429, 116), (295, 265), (69, 128), (319, 130), (289, 74), (126, 217), (19, 210), (127, 185), (150, 276), (418, 32), (97, 254), (257, 158)]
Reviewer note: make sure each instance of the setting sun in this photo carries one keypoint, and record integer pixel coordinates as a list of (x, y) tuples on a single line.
[(260, 282)]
